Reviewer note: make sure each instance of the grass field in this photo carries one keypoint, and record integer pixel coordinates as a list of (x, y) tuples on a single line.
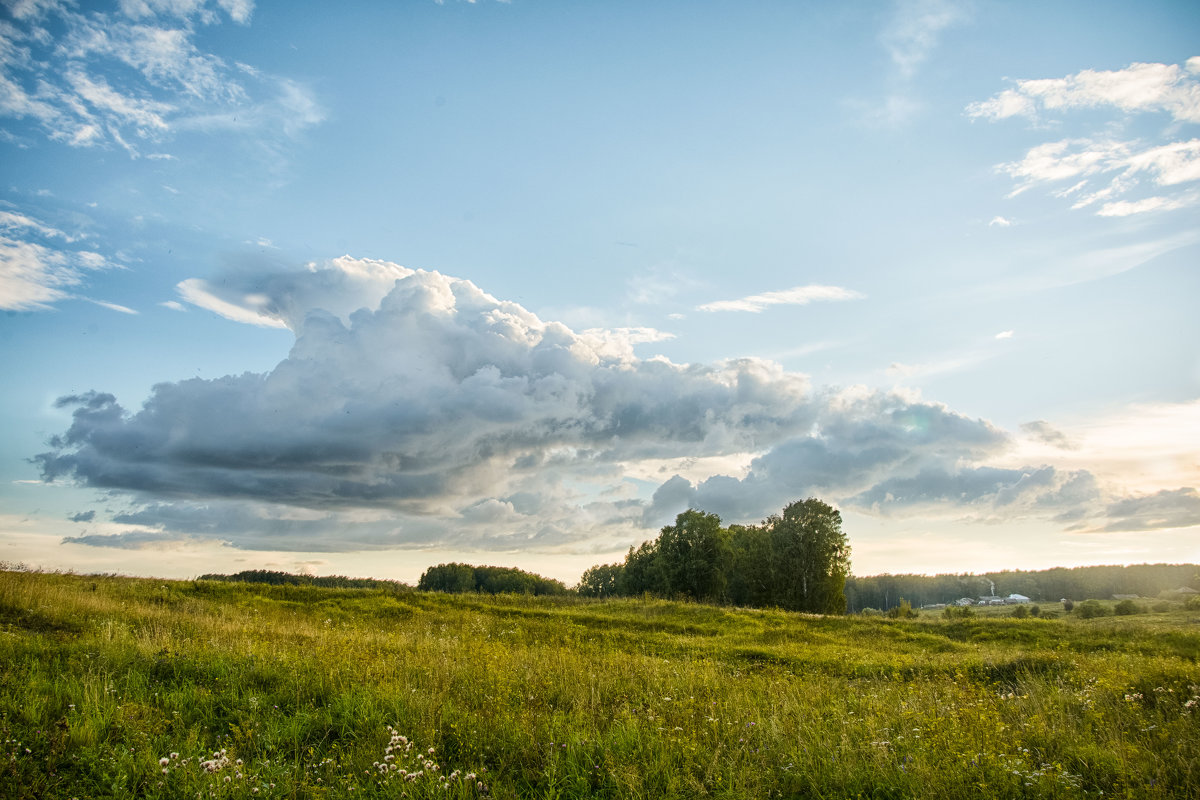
[(119, 687)]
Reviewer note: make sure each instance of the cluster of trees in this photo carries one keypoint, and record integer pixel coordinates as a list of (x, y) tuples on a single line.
[(798, 560), (458, 578), (289, 579), (1145, 580)]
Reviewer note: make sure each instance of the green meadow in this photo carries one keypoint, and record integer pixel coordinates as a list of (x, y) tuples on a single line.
[(120, 687)]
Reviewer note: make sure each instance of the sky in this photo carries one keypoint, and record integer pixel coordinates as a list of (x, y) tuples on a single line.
[(362, 289)]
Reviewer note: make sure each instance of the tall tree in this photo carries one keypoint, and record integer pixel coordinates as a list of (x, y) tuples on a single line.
[(694, 553), (749, 570), (643, 571), (810, 557), (602, 580)]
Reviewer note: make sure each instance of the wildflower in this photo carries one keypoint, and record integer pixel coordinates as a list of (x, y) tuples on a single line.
[(162, 762)]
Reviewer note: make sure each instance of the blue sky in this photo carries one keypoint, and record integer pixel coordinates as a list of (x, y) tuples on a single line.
[(369, 289)]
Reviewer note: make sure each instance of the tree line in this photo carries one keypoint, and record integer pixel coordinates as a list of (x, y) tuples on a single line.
[(459, 578), (273, 578), (1076, 583), (797, 560)]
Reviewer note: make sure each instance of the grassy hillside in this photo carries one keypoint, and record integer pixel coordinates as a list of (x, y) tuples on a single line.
[(291, 691)]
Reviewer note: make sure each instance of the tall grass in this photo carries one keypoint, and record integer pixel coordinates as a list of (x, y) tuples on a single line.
[(275, 691)]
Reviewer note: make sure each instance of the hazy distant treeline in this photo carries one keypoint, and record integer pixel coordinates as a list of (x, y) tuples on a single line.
[(288, 579), (1077, 583)]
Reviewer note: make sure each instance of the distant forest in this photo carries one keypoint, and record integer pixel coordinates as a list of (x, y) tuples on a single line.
[(289, 579), (1078, 583)]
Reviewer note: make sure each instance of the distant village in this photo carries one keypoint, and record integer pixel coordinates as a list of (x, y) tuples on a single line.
[(983, 600)]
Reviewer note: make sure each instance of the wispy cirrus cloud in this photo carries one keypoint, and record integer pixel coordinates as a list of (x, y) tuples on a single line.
[(1107, 173), (797, 296), (910, 36), (1139, 87), (54, 58), (39, 267), (914, 31)]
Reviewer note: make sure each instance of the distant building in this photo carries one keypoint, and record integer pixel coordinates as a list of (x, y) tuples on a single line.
[(964, 601), (991, 600), (1125, 597), (1015, 598)]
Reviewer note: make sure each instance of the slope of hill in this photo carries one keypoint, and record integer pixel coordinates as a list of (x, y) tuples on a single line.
[(118, 687)]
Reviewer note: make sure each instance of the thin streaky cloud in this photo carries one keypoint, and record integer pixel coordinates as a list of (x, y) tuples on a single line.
[(1125, 208), (173, 85), (1138, 87), (1104, 171), (196, 292), (111, 306), (798, 296)]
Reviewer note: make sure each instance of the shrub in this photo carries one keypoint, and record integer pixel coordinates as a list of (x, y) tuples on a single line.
[(902, 611), (1090, 609), (1035, 610), (1161, 606), (1020, 612), (1068, 605), (1127, 607), (871, 612), (958, 612), (1048, 615), (1192, 603)]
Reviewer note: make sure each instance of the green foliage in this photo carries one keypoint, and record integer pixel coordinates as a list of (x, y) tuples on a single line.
[(694, 553), (798, 560), (288, 579), (1020, 612), (1126, 607), (1090, 609), (602, 580), (902, 611), (810, 557), (459, 578), (300, 691), (958, 612), (1192, 603), (1068, 605)]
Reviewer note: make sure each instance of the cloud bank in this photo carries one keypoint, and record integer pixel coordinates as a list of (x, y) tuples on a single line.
[(416, 409)]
